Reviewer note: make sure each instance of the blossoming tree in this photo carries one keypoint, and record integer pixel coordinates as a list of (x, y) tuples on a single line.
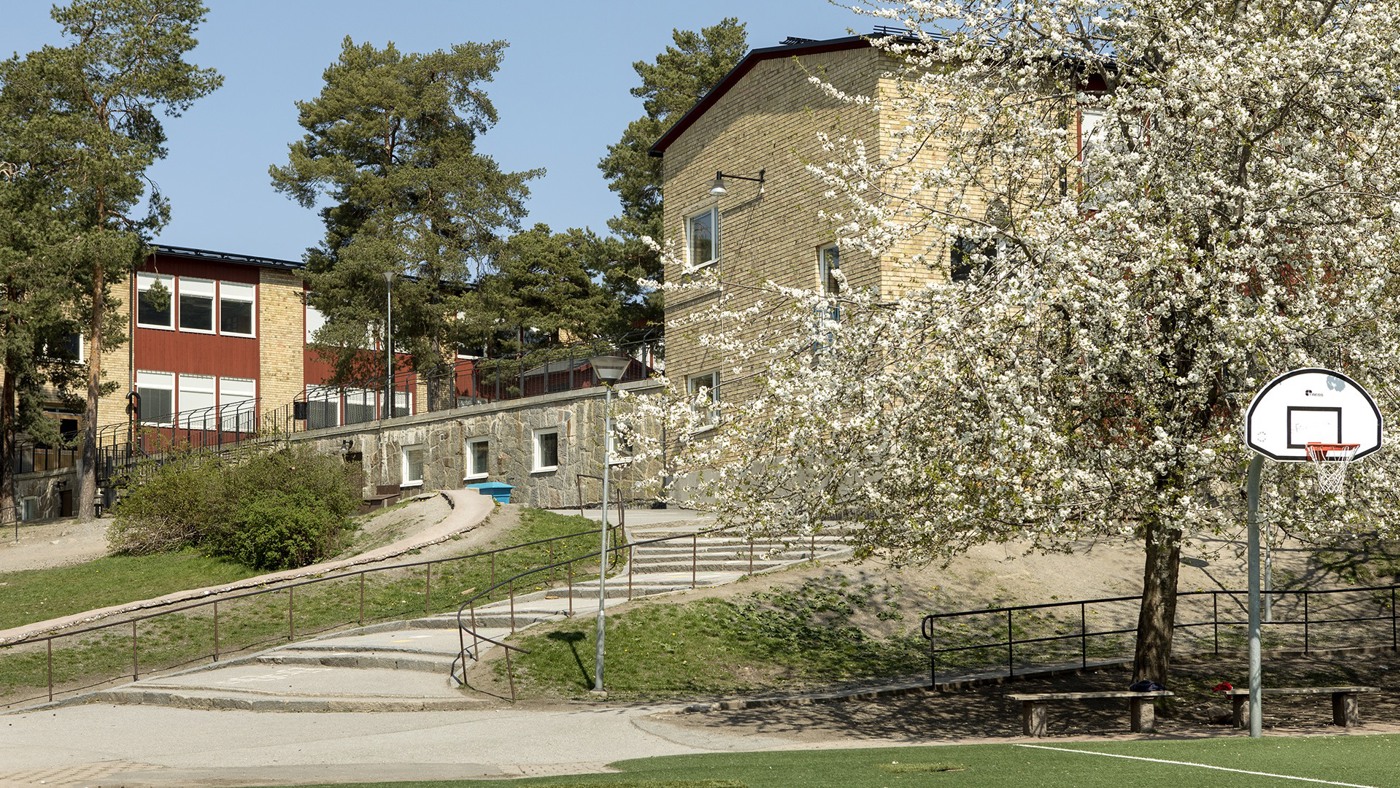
[(1150, 208)]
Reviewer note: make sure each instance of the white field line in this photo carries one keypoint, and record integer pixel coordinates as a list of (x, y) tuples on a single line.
[(1196, 765)]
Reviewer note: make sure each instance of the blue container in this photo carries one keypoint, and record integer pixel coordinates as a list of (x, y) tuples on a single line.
[(497, 490)]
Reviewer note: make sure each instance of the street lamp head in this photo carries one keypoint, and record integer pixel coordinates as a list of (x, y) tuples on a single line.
[(388, 277), (610, 369)]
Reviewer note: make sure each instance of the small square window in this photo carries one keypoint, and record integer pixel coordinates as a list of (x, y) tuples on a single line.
[(155, 294), (412, 466), (702, 238), (157, 396), (704, 397), (546, 450), (479, 459), (236, 308)]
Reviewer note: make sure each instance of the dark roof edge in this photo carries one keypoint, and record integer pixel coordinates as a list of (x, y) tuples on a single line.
[(737, 73), (225, 257)]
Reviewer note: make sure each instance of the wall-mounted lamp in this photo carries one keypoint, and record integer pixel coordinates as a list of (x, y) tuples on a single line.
[(718, 190)]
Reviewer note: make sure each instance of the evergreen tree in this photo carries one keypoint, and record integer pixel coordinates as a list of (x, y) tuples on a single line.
[(391, 141), (672, 84), (82, 124)]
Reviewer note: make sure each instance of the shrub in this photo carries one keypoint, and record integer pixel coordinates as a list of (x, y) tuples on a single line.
[(271, 510)]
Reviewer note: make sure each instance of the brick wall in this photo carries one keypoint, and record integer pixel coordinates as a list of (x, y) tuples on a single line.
[(281, 337)]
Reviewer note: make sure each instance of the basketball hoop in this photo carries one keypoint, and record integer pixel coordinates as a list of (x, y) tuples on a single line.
[(1331, 461)]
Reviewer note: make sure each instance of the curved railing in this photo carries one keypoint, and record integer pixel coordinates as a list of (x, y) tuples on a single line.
[(1032, 637), (467, 626), (209, 630)]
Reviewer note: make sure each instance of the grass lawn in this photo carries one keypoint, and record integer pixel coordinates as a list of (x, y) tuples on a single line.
[(42, 594), (1225, 762), (246, 622)]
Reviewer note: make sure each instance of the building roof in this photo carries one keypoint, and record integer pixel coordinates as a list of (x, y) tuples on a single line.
[(205, 255), (792, 47)]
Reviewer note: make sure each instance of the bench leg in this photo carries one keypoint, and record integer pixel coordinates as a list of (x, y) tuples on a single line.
[(1144, 715), (1032, 718), (1239, 711), (1344, 709)]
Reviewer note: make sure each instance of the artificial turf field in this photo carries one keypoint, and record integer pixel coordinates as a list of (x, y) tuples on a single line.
[(1230, 762)]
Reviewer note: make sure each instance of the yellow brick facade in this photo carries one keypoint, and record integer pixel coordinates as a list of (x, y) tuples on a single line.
[(282, 329), (769, 119)]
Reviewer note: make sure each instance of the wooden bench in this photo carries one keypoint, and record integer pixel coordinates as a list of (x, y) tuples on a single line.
[(1344, 702), (1143, 717), (384, 495)]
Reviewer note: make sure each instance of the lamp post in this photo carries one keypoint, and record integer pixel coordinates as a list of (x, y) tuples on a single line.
[(388, 411), (609, 370)]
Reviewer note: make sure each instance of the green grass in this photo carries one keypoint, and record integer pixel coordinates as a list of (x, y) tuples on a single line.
[(43, 594), (251, 622), (782, 639), (1360, 760)]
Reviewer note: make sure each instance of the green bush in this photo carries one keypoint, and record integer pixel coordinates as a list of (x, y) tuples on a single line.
[(272, 510)]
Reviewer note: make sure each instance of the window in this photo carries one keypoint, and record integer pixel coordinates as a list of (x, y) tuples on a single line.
[(237, 404), (197, 305), (314, 321), (478, 459), (1091, 139), (236, 308), (704, 398), (828, 269), (322, 407), (196, 402), (403, 403), (972, 256), (546, 450), (702, 238), (154, 295), (359, 406), (28, 509), (412, 466), (157, 391)]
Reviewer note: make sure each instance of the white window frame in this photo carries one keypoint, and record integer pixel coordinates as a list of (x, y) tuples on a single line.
[(708, 380), (243, 293), (712, 214), (163, 381), (475, 471), (409, 479), (238, 399), (1090, 138), (537, 464), (145, 281), (196, 288), (197, 393)]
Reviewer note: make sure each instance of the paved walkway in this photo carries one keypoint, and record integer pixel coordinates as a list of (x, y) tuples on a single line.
[(387, 707)]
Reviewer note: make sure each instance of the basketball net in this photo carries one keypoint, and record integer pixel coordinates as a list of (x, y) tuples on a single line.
[(1330, 460)]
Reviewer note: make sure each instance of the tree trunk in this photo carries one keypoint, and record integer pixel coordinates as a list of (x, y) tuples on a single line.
[(87, 454), (1152, 659), (9, 444)]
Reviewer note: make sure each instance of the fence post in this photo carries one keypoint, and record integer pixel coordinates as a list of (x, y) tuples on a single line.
[(291, 605), (631, 561), (1306, 624), (362, 598), (1083, 637), (50, 643), (1215, 619), (216, 630), (427, 588), (135, 657), (1010, 647), (1393, 641), (571, 589), (511, 592)]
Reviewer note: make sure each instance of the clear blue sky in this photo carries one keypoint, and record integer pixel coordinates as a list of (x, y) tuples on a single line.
[(562, 94)]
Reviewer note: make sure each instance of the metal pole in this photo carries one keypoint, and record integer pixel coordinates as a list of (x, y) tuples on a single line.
[(388, 410), (1256, 671), (603, 550)]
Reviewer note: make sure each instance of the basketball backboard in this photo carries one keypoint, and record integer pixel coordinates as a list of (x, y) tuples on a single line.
[(1311, 405)]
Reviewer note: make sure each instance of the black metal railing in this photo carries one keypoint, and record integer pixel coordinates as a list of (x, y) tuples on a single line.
[(1031, 637)]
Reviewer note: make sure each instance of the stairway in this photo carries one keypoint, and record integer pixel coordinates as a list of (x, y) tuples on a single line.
[(408, 665)]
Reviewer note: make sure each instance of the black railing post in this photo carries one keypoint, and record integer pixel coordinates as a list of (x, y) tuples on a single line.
[(1083, 637), (1307, 624), (1215, 619), (1010, 647), (1393, 641)]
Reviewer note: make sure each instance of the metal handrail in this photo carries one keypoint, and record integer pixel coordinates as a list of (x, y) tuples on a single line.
[(289, 588), (469, 607), (1383, 597)]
